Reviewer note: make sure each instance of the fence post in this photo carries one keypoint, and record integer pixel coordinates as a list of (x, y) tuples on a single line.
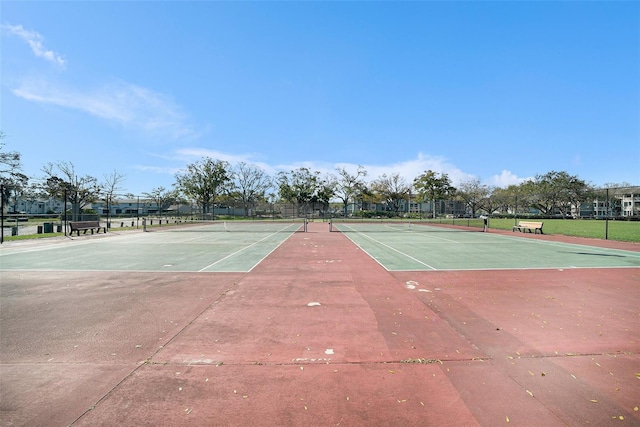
[(1, 213), (606, 218)]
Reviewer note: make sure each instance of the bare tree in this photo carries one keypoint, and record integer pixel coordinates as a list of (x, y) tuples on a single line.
[(9, 160), (11, 179), (162, 197), (61, 179), (325, 191), (250, 183), (474, 195), (109, 189), (348, 185)]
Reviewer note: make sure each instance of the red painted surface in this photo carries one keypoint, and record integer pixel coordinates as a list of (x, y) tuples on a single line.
[(525, 348)]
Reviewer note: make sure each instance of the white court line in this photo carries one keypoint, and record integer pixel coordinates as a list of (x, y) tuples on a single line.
[(14, 250), (426, 233), (596, 249), (246, 247), (509, 239), (387, 246), (526, 268)]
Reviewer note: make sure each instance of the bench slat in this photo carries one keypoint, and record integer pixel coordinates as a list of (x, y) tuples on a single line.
[(530, 226), (77, 226)]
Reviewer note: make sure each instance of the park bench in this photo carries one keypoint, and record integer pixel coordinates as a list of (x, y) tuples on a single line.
[(530, 226), (83, 226)]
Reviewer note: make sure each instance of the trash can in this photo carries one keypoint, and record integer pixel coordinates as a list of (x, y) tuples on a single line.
[(14, 231), (48, 227)]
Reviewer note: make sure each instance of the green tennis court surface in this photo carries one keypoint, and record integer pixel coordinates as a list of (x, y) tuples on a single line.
[(421, 247), (198, 249), (397, 248)]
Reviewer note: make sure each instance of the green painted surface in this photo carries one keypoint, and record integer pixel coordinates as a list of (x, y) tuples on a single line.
[(154, 251), (454, 250), (241, 251)]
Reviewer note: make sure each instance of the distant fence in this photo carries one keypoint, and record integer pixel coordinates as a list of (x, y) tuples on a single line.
[(32, 224)]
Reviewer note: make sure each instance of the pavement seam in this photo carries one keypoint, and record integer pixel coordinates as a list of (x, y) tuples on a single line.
[(147, 361)]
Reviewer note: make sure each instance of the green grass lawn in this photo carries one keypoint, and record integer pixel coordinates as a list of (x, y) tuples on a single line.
[(626, 231)]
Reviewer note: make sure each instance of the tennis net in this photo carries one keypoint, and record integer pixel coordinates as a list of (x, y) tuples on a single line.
[(249, 226), (401, 225)]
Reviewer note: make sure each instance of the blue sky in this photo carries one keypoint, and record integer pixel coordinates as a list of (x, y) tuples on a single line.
[(496, 91)]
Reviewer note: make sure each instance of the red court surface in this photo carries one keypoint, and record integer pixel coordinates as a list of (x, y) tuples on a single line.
[(319, 334)]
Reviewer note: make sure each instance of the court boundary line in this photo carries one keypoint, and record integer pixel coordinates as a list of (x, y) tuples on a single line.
[(247, 247), (385, 245), (270, 252), (85, 242), (523, 268), (514, 239), (409, 230), (632, 254)]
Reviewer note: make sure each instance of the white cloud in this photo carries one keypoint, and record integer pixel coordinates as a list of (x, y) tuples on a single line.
[(505, 179), (408, 169), (34, 40), (126, 104), (129, 105), (190, 155), (158, 169), (412, 168)]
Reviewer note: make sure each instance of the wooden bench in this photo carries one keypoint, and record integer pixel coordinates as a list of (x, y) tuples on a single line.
[(530, 226), (83, 226)]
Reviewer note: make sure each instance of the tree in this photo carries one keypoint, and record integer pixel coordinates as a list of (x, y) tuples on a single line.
[(250, 184), (162, 197), (490, 204), (203, 181), (557, 192), (298, 187), (9, 160), (61, 180), (11, 179), (392, 189), (474, 195), (16, 183), (348, 185), (367, 197), (574, 193), (109, 188), (433, 186), (325, 191), (507, 200)]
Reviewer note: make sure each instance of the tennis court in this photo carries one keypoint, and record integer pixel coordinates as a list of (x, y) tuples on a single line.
[(420, 246), (206, 246), (240, 246), (208, 325)]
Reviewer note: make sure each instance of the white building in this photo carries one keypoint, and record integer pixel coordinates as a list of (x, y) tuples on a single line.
[(630, 203), (36, 206)]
